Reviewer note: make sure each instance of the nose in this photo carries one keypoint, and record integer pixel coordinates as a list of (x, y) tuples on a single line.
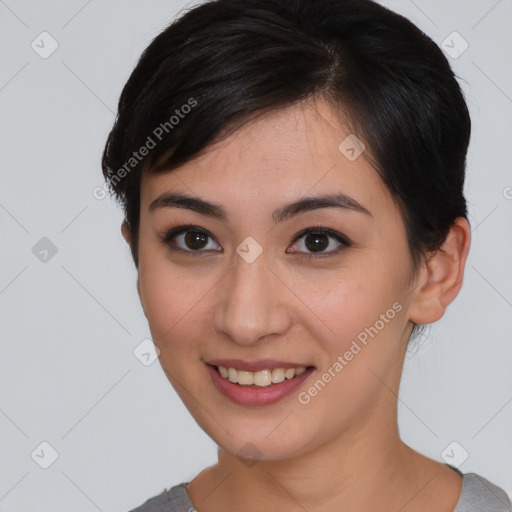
[(252, 303)]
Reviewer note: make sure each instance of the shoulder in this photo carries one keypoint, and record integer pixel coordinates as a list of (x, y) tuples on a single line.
[(175, 499), (480, 495), (477, 495)]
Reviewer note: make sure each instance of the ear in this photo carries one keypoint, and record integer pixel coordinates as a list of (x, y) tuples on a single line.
[(141, 298), (125, 231), (441, 279)]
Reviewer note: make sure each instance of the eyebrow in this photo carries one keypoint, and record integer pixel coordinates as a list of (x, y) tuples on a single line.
[(304, 204)]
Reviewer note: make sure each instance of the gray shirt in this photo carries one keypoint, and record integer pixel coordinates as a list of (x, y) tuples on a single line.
[(477, 495)]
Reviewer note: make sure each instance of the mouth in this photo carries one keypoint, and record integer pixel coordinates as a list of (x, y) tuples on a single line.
[(257, 383), (262, 378)]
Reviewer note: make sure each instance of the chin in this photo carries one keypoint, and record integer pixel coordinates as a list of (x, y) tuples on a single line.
[(266, 441)]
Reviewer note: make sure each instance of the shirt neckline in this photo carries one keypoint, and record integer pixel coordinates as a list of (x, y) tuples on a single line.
[(458, 471)]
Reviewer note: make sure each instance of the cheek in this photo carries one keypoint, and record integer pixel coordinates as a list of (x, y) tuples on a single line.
[(357, 358), (342, 307), (359, 318), (172, 303)]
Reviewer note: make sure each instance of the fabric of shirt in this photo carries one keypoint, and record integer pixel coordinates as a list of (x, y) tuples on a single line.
[(477, 495)]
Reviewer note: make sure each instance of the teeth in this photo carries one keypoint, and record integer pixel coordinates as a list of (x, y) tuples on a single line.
[(262, 378), (232, 375), (278, 375), (246, 378)]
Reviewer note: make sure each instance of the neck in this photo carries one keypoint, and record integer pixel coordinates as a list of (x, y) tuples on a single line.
[(366, 466)]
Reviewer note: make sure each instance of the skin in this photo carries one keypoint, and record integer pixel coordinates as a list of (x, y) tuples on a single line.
[(342, 450)]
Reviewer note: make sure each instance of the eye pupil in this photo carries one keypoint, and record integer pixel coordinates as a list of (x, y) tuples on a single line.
[(321, 241), (196, 239)]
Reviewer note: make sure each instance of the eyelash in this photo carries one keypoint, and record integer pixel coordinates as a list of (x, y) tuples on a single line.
[(167, 238)]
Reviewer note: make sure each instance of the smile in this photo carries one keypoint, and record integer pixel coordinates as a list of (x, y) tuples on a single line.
[(261, 378), (258, 383)]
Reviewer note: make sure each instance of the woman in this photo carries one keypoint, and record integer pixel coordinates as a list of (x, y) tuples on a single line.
[(292, 178)]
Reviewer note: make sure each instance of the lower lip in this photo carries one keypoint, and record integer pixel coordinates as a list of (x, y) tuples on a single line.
[(256, 396)]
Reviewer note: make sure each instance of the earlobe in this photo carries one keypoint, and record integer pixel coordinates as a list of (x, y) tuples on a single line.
[(140, 295), (125, 231), (441, 278)]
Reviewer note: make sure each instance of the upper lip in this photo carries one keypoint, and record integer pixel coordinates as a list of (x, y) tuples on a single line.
[(255, 365)]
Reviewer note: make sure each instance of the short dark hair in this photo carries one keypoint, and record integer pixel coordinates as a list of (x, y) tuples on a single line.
[(230, 61)]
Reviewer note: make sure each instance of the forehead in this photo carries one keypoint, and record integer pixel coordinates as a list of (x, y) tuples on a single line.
[(303, 149)]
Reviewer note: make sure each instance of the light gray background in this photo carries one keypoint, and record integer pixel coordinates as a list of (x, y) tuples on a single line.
[(69, 326)]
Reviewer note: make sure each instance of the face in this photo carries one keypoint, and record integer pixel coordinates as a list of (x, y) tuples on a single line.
[(321, 286)]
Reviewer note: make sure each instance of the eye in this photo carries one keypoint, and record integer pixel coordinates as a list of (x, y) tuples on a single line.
[(192, 240), (316, 240), (189, 239)]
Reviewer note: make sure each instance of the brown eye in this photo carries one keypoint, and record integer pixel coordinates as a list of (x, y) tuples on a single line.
[(319, 242), (316, 242), (189, 239), (195, 239)]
